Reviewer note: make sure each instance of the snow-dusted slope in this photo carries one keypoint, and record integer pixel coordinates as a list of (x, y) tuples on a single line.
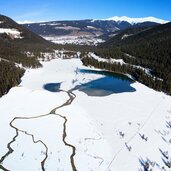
[(12, 32), (137, 20), (77, 40), (8, 28)]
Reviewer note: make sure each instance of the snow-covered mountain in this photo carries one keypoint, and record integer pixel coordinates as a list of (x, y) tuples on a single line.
[(136, 20), (84, 31)]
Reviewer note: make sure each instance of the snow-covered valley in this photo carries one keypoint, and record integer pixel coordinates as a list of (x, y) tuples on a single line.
[(70, 130), (77, 40)]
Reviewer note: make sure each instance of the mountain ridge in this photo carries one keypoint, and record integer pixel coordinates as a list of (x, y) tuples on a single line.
[(82, 32), (137, 20)]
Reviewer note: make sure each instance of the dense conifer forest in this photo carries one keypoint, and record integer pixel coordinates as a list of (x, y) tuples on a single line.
[(9, 76), (14, 56), (149, 48), (138, 74)]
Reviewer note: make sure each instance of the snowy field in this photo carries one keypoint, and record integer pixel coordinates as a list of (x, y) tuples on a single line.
[(118, 132), (13, 32), (77, 40)]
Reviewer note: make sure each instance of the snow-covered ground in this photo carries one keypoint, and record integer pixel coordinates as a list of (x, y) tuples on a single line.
[(78, 40), (126, 36), (110, 60), (108, 132), (11, 31), (121, 61)]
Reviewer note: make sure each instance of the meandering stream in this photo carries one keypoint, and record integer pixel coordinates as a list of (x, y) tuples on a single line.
[(104, 86), (72, 96)]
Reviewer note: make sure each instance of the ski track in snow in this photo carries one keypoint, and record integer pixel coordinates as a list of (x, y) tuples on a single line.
[(136, 133)]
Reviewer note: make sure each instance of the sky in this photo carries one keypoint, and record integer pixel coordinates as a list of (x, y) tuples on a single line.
[(49, 10)]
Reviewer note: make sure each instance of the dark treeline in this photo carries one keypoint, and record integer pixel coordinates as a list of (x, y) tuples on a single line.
[(153, 55), (16, 53), (150, 48), (159, 66), (9, 76)]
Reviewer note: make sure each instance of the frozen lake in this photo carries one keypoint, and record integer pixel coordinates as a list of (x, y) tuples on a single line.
[(108, 84)]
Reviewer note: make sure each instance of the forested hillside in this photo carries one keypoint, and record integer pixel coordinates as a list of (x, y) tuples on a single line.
[(18, 47), (9, 76), (149, 48)]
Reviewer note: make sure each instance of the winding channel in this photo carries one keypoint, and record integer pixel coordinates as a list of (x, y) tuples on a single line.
[(72, 96)]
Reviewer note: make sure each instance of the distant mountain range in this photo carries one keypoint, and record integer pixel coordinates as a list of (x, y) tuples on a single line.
[(88, 31)]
